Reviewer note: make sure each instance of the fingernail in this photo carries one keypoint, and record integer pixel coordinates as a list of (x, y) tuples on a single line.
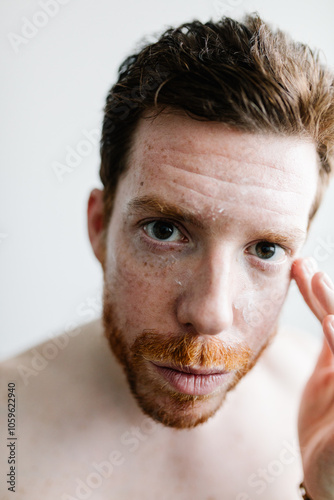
[(310, 265), (327, 281)]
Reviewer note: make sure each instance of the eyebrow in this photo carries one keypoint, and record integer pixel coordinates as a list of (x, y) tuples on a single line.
[(155, 205), (294, 236)]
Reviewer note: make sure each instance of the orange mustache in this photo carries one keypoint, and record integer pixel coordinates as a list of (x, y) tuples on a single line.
[(190, 350)]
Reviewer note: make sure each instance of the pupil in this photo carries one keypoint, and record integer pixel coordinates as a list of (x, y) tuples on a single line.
[(162, 230), (265, 250)]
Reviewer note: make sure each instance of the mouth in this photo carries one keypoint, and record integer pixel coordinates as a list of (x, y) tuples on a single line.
[(191, 380)]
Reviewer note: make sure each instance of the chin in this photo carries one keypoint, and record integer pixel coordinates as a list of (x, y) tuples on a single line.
[(185, 415), (182, 411)]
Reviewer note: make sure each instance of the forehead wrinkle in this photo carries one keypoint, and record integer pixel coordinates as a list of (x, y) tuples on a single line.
[(226, 202), (228, 157), (239, 182)]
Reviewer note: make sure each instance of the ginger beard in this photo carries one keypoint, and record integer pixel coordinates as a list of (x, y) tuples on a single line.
[(154, 396)]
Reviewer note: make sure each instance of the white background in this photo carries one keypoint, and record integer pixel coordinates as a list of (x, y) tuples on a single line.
[(53, 89)]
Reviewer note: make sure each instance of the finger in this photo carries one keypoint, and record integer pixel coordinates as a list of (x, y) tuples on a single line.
[(323, 289), (302, 272), (328, 327), (325, 359)]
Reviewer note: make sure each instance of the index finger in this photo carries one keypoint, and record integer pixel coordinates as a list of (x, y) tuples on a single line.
[(328, 328), (323, 289), (302, 271)]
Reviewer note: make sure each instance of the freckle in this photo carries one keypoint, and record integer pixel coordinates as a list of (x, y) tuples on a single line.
[(145, 263), (141, 183)]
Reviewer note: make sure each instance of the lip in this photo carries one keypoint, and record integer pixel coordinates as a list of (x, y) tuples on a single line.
[(190, 380)]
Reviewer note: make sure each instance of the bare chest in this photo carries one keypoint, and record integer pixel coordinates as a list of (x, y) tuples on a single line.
[(246, 453)]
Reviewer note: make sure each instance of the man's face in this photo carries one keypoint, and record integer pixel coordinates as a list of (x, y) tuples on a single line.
[(205, 226)]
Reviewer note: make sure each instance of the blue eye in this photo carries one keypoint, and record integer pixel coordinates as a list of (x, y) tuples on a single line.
[(265, 250), (163, 231)]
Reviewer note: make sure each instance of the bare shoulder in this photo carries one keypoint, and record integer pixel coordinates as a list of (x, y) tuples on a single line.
[(60, 387), (67, 361), (53, 355)]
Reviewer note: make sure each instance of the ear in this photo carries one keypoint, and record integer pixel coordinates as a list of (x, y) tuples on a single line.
[(96, 231)]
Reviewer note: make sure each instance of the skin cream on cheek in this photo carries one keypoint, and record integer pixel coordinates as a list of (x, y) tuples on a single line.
[(260, 306), (246, 304)]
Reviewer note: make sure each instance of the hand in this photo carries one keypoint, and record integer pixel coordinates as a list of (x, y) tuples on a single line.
[(316, 413)]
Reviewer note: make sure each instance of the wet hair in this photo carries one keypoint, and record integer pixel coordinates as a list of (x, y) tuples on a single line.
[(244, 74)]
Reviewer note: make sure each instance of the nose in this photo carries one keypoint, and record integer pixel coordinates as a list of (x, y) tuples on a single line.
[(205, 305)]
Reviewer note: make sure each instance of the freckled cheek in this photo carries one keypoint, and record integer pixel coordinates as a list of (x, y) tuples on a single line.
[(145, 289)]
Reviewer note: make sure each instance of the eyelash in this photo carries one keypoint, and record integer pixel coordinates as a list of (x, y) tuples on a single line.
[(153, 244), (268, 265)]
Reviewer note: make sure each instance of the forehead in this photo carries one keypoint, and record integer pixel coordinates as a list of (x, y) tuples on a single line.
[(210, 169)]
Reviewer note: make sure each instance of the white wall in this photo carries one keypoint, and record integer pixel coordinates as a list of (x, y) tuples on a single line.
[(52, 91)]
